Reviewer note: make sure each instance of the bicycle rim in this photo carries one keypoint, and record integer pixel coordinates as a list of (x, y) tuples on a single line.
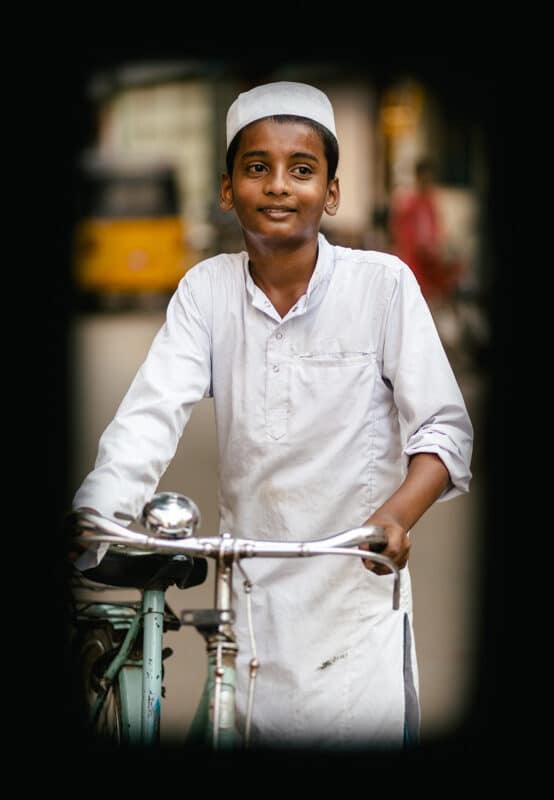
[(93, 657)]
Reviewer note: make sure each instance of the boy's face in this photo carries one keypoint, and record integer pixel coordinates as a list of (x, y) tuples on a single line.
[(279, 188)]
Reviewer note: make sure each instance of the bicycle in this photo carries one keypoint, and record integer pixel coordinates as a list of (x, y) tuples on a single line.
[(123, 668)]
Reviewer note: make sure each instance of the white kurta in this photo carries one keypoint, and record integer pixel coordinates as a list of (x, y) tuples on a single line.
[(316, 413)]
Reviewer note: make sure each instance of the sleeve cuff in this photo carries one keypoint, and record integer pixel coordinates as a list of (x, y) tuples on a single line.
[(460, 474)]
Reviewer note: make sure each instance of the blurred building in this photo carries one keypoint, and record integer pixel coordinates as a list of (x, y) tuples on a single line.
[(165, 111)]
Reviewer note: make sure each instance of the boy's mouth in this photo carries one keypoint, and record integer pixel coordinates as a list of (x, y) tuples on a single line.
[(277, 211)]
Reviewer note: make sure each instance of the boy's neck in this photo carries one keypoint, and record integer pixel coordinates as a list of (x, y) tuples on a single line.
[(282, 271)]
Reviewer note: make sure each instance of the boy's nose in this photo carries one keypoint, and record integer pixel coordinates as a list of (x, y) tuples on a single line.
[(277, 182)]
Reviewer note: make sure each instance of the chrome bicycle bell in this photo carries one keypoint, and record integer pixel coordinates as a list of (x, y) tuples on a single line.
[(171, 515)]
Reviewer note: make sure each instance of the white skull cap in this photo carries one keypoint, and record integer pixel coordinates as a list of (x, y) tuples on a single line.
[(281, 97)]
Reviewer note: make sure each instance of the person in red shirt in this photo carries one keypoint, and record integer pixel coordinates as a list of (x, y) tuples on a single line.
[(418, 238)]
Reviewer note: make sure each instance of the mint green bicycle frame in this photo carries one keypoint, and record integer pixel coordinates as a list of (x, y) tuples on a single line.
[(139, 680)]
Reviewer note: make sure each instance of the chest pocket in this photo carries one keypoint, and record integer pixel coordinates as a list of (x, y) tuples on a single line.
[(329, 364), (330, 359), (331, 390)]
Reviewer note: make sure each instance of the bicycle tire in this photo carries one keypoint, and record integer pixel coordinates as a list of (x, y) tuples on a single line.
[(93, 650)]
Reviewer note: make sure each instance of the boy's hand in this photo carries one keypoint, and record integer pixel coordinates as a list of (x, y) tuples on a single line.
[(426, 480), (397, 549)]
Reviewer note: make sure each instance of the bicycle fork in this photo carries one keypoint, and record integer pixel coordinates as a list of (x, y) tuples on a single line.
[(215, 718)]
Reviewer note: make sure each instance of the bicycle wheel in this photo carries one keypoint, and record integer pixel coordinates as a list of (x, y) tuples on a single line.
[(94, 651)]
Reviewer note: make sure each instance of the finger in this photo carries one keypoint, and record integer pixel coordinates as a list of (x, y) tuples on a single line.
[(381, 569), (400, 560), (373, 566)]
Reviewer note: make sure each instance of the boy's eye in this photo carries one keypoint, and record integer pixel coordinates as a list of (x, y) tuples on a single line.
[(256, 168), (302, 169)]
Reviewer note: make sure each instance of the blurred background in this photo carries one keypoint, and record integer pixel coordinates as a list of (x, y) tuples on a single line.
[(419, 170)]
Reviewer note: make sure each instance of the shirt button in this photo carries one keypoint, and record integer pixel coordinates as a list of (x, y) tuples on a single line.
[(276, 368), (279, 335)]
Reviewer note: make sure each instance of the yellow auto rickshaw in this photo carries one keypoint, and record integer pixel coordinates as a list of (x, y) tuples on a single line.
[(130, 237)]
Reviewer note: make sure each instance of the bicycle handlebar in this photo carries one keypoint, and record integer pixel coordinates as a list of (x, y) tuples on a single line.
[(93, 528)]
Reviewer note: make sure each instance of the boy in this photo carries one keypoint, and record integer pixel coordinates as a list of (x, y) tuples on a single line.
[(335, 406)]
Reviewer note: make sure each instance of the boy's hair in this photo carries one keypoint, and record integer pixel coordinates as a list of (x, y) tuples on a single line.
[(330, 144)]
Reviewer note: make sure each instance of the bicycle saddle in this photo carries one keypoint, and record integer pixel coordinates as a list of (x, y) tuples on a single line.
[(153, 571)]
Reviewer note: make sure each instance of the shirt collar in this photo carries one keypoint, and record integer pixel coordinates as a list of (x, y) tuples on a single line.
[(316, 286)]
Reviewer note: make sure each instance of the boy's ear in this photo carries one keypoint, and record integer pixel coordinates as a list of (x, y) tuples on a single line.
[(226, 193), (333, 197)]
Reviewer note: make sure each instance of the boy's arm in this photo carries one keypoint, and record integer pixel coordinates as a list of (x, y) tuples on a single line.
[(431, 409), (141, 439), (434, 424), (426, 479)]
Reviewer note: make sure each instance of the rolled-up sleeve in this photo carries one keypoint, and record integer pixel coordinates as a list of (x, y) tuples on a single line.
[(432, 412), (138, 444)]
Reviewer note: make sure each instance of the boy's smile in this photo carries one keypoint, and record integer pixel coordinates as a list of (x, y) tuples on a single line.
[(279, 188), (277, 212)]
